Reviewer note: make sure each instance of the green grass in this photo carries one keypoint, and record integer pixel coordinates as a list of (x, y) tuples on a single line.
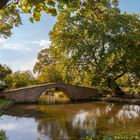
[(2, 101), (3, 135)]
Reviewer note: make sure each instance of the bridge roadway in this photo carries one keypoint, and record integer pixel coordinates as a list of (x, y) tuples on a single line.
[(32, 94)]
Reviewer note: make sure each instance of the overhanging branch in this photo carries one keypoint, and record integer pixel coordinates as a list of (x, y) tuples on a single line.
[(120, 75), (3, 3)]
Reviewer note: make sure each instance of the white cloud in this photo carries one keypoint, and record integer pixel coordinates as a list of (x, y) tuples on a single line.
[(2, 41), (22, 64), (8, 127), (21, 55), (15, 46), (23, 45), (28, 65), (10, 45), (43, 43)]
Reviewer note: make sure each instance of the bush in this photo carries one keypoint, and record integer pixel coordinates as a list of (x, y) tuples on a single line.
[(3, 135)]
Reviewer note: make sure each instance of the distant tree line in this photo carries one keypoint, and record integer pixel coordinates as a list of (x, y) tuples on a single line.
[(13, 80)]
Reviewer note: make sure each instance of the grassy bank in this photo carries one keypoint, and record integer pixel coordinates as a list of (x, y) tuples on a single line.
[(3, 102), (2, 135), (3, 105)]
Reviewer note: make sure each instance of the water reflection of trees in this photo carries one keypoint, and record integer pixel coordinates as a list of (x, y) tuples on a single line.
[(129, 112), (72, 121), (60, 124)]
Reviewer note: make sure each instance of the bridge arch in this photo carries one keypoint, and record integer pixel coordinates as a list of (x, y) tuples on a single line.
[(32, 94), (53, 95)]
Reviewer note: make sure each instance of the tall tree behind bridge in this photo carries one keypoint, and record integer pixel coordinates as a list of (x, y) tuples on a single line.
[(100, 40)]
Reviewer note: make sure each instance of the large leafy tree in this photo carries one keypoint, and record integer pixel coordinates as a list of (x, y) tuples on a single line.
[(10, 10), (48, 69), (101, 40)]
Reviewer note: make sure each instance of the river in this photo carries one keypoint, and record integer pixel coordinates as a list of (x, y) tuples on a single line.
[(72, 121)]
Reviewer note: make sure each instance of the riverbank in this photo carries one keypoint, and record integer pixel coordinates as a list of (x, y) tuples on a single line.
[(2, 135), (118, 100), (5, 104)]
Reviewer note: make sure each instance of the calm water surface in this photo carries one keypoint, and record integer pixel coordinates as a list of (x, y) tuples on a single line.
[(68, 121)]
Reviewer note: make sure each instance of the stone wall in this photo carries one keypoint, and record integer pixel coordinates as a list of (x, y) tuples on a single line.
[(31, 94)]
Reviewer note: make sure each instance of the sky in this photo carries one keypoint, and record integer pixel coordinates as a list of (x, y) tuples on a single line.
[(20, 50)]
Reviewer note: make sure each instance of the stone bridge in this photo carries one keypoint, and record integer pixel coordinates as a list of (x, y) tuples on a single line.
[(32, 94)]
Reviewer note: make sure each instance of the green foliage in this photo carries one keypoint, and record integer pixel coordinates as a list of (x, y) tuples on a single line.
[(4, 71), (20, 79), (2, 101), (9, 80), (124, 135), (9, 17), (50, 70), (120, 136), (35, 7), (47, 74), (127, 136), (3, 135), (99, 40), (10, 11)]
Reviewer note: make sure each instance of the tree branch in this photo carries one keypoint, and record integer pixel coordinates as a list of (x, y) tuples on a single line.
[(120, 75), (3, 3)]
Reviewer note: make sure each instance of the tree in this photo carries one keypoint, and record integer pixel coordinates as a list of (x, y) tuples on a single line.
[(9, 17), (10, 11), (20, 79), (46, 68), (101, 40), (35, 7), (4, 71)]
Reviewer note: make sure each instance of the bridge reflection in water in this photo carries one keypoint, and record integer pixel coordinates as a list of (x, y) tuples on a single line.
[(70, 121)]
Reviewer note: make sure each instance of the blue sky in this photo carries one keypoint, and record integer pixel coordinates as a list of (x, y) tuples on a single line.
[(20, 50)]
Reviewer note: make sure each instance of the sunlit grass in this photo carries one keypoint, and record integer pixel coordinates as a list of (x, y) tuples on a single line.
[(131, 90), (59, 97)]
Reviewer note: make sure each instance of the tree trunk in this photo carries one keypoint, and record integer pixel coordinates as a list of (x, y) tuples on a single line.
[(116, 90)]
